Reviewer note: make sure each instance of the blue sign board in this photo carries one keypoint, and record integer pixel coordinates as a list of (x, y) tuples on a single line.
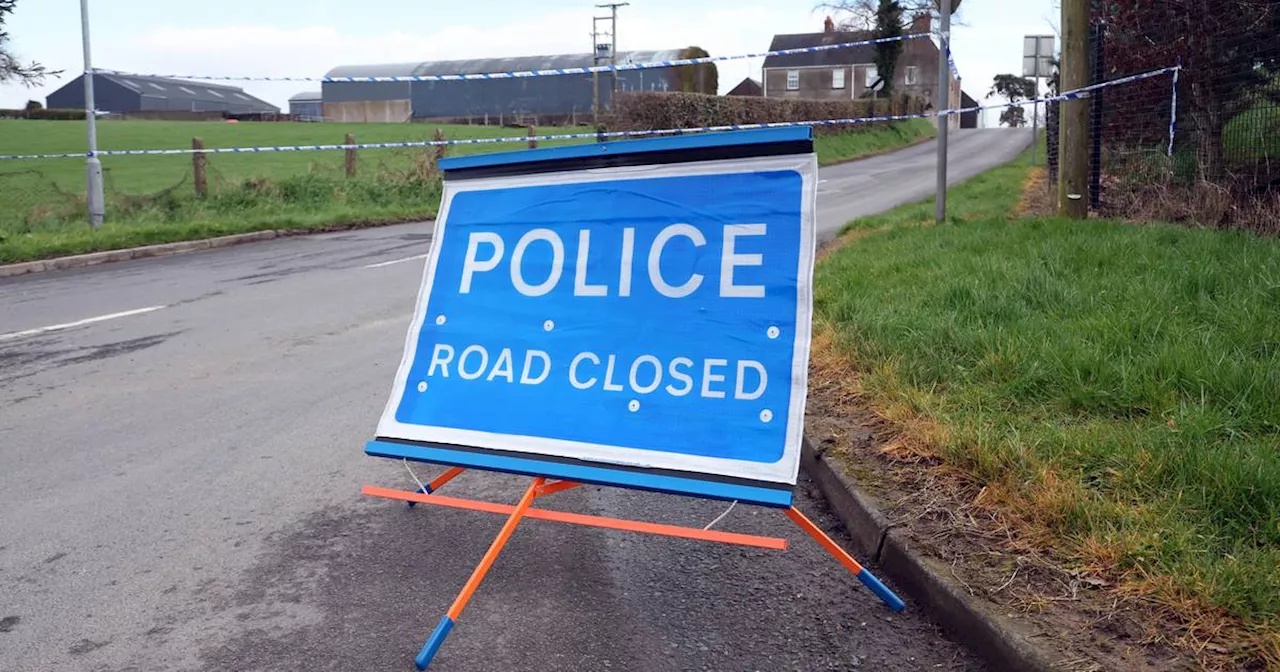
[(635, 314)]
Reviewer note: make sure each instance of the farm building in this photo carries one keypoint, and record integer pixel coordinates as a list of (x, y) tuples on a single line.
[(307, 106), (123, 94), (523, 98)]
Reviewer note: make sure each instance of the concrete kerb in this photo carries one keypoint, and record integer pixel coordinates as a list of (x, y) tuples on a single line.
[(183, 247), (166, 249), (976, 624)]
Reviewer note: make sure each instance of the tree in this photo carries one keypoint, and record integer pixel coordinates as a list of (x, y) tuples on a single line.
[(861, 14), (1014, 89), (33, 105), (701, 78), (12, 69), (888, 24), (1014, 117)]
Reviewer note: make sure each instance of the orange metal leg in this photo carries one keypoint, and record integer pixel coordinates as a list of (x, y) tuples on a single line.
[(446, 624), (867, 578), (558, 486), (447, 476), (699, 534)]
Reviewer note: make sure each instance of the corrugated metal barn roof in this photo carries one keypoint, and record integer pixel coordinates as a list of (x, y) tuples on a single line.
[(184, 90), (306, 97), (478, 66)]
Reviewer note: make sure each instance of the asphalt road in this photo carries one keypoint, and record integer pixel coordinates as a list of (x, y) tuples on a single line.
[(179, 490)]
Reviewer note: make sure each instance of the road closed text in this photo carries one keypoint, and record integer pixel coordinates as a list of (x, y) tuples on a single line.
[(710, 378)]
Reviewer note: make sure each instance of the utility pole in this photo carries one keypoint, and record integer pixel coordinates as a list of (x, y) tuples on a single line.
[(944, 103), (93, 168), (613, 50), (1073, 137), (596, 48)]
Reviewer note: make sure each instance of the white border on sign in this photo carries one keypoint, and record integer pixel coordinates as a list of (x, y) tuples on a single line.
[(784, 470)]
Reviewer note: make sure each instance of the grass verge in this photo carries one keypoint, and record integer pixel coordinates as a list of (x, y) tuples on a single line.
[(1115, 388), (849, 146), (150, 199)]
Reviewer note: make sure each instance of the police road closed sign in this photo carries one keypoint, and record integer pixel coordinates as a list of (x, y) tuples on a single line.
[(645, 315)]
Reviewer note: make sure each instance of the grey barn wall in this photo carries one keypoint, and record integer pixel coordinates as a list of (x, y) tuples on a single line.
[(558, 95), (561, 97), (306, 109)]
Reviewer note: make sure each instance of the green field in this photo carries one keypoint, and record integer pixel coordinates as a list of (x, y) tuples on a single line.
[(150, 199), (1119, 383), (148, 174)]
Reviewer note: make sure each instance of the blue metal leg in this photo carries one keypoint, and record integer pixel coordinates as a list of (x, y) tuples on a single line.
[(425, 490), (433, 643), (882, 591)]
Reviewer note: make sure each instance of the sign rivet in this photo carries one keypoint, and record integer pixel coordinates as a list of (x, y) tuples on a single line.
[(440, 319), (634, 405), (774, 332), (548, 325), (766, 415), (422, 387)]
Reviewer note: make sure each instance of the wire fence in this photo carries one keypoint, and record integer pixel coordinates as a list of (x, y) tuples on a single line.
[(164, 171), (1222, 168)]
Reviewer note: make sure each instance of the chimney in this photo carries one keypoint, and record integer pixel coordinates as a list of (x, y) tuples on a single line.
[(921, 23), (828, 26)]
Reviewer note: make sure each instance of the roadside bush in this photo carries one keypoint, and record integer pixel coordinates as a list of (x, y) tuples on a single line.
[(653, 111), (59, 115)]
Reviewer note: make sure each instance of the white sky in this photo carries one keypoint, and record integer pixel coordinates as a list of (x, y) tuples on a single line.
[(308, 37)]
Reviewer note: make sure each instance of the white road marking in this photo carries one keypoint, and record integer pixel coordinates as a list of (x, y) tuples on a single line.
[(78, 323), (397, 261)]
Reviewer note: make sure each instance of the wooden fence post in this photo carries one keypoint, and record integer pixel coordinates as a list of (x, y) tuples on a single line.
[(439, 149), (533, 143), (198, 168), (351, 155)]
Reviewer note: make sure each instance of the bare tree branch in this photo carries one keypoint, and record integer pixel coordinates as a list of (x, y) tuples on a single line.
[(11, 68)]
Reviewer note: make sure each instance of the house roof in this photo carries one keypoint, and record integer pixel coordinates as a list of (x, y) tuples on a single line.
[(478, 66), (747, 87), (830, 57), (179, 89)]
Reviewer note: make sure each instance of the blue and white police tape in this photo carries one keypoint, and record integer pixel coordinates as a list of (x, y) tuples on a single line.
[(620, 67), (1068, 95)]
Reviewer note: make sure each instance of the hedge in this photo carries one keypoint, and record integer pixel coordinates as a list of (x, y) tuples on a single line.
[(646, 111), (61, 115)]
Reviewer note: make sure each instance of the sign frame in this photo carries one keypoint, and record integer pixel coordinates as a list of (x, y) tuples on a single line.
[(1037, 52), (712, 154)]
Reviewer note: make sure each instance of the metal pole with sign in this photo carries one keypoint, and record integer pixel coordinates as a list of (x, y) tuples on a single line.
[(93, 169), (944, 103), (633, 314), (1037, 57)]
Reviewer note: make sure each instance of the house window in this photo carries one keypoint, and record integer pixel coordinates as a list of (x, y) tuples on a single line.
[(793, 80), (913, 75), (872, 76), (837, 78)]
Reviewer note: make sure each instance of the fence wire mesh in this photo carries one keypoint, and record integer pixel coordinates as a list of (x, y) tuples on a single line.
[(1223, 167)]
